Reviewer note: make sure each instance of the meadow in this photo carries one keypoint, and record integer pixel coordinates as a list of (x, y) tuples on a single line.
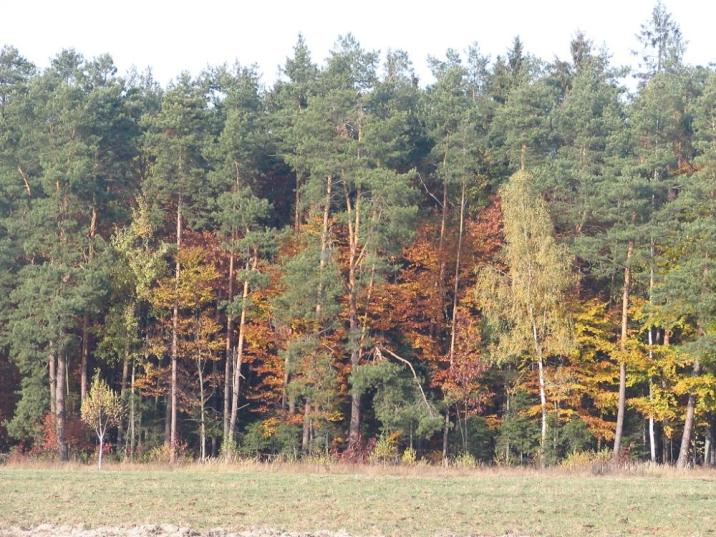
[(364, 500)]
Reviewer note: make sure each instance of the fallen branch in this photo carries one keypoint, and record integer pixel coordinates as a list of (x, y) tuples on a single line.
[(415, 376)]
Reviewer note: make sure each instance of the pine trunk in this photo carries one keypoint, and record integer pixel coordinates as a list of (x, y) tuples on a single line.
[(683, 460), (84, 358), (228, 356), (453, 324), (239, 355), (621, 409), (175, 335), (353, 323), (62, 448), (52, 364)]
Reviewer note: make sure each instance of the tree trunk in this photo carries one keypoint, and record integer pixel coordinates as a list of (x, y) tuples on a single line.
[(621, 409), (52, 361), (62, 448), (453, 324), (239, 359), (202, 410), (353, 323), (175, 349), (305, 437), (683, 460), (131, 416), (652, 434), (543, 405), (439, 283), (84, 358), (85, 319), (101, 452), (123, 394), (324, 244), (228, 355)]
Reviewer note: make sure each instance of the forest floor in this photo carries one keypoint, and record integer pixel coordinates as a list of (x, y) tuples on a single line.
[(343, 501)]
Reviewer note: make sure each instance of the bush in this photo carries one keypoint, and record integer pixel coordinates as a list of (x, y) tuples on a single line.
[(465, 460), (597, 462), (271, 437), (385, 450), (409, 457)]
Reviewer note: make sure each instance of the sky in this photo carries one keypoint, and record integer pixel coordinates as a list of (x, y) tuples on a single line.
[(171, 36)]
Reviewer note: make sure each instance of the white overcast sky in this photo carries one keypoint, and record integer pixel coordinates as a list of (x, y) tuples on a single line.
[(171, 36)]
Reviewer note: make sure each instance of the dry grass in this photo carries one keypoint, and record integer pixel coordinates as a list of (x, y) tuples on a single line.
[(365, 500)]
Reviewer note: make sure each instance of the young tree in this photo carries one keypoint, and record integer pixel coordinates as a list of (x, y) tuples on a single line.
[(101, 409), (525, 305)]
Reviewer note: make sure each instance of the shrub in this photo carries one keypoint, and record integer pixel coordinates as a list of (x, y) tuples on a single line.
[(385, 450), (465, 460), (409, 457), (597, 462)]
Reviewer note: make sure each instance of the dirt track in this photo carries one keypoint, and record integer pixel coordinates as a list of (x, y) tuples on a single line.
[(159, 530)]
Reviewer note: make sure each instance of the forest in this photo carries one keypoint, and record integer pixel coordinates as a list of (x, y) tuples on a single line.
[(513, 263)]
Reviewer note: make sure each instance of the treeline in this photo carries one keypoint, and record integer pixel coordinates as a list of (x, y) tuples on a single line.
[(511, 264)]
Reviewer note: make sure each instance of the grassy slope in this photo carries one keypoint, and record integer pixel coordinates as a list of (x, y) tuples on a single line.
[(364, 503)]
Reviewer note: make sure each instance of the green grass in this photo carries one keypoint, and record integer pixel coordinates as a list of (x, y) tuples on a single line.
[(365, 502)]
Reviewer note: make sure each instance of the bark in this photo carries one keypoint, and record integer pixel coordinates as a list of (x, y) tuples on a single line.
[(228, 355), (202, 409), (239, 358), (84, 358), (453, 324), (622, 347), (101, 452), (439, 283), (683, 460), (305, 436), (324, 244), (353, 323), (131, 415), (652, 434), (167, 420), (52, 361), (175, 349), (123, 394), (62, 448), (543, 404)]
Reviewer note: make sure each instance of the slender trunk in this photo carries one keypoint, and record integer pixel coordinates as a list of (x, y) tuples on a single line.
[(306, 426), (439, 283), (652, 433), (84, 358), (707, 448), (297, 205), (622, 348), (85, 319), (353, 324), (324, 244), (101, 452), (167, 420), (52, 361), (62, 448), (123, 393), (239, 356), (543, 404), (523, 156), (202, 410), (131, 415), (175, 349), (446, 432), (228, 356), (453, 324), (683, 460)]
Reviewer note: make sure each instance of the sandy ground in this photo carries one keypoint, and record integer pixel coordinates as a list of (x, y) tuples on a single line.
[(165, 530), (160, 530)]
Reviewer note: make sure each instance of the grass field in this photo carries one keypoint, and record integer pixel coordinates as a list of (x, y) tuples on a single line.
[(364, 501)]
